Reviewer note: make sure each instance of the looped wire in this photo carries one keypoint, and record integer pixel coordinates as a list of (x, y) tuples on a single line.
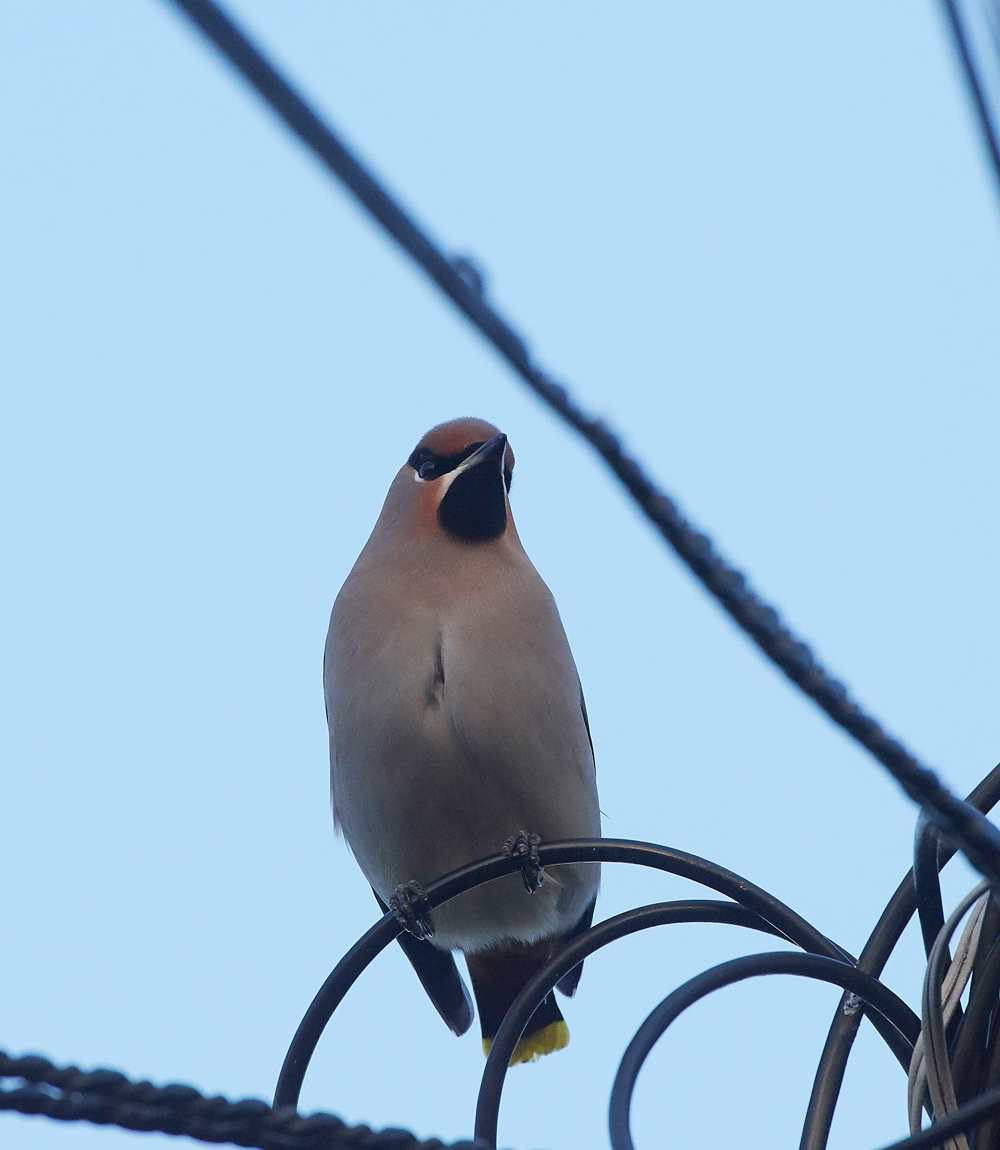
[(930, 1068)]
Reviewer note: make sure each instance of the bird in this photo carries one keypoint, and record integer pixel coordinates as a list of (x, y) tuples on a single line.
[(458, 724)]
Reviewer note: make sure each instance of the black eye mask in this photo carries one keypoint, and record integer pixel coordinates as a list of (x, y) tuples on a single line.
[(429, 466)]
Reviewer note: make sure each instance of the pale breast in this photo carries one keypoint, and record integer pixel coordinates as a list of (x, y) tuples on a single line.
[(454, 725)]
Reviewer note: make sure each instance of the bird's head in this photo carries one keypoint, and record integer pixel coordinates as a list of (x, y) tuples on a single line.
[(462, 472)]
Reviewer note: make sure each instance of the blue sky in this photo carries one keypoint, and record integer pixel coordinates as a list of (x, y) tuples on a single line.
[(762, 240)]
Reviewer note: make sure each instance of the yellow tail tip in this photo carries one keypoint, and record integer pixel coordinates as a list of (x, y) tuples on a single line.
[(531, 1047)]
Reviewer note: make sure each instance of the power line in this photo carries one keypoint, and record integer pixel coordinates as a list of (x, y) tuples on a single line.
[(108, 1098), (974, 834), (977, 88)]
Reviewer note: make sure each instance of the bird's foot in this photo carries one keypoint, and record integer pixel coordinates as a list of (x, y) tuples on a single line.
[(523, 848), (412, 910)]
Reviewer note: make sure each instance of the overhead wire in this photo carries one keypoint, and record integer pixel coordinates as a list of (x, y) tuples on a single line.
[(33, 1085), (974, 834), (977, 91)]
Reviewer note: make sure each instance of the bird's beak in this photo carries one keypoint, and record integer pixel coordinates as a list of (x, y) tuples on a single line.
[(492, 450)]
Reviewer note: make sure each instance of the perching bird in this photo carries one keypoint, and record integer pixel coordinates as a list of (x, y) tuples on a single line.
[(457, 721)]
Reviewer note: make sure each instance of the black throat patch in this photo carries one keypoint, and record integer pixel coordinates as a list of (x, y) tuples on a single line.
[(473, 509)]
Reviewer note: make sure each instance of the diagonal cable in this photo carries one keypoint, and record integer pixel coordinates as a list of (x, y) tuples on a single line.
[(965, 48), (964, 825)]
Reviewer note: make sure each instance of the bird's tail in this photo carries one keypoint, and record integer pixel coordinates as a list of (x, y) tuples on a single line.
[(498, 976)]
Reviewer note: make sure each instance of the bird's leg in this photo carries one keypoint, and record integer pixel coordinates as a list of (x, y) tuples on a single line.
[(412, 910), (523, 848)]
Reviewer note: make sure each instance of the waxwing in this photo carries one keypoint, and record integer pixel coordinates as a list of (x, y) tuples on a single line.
[(457, 723)]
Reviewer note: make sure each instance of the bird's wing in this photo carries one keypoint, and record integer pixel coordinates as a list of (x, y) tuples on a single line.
[(439, 976), (569, 982), (586, 723)]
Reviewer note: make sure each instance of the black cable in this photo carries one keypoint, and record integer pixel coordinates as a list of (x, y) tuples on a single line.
[(940, 1083), (978, 838), (726, 974), (905, 1024), (962, 48), (108, 1098), (927, 887), (970, 1045), (930, 908), (790, 925), (959, 1122), (580, 948), (985, 985), (988, 1135), (988, 935), (874, 955)]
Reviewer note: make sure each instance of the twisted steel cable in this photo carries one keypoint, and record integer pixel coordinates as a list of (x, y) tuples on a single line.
[(460, 282), (108, 1098), (977, 93)]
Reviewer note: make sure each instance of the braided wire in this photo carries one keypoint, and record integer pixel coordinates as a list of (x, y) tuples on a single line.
[(963, 50), (108, 1098), (464, 286)]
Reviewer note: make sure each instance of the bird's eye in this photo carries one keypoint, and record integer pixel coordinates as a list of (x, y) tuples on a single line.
[(429, 465)]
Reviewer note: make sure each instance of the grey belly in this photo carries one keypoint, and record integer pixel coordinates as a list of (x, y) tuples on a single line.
[(420, 819)]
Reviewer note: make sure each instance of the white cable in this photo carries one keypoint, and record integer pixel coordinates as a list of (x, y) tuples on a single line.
[(929, 1066)]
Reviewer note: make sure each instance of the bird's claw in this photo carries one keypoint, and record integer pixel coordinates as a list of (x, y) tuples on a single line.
[(523, 848), (412, 910)]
